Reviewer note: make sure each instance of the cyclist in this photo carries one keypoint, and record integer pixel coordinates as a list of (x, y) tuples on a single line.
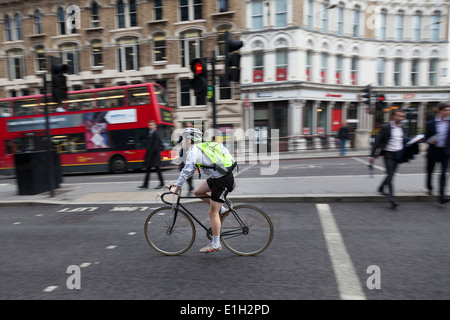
[(216, 162)]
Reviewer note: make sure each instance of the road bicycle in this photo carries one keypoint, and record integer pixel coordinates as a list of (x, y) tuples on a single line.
[(170, 230)]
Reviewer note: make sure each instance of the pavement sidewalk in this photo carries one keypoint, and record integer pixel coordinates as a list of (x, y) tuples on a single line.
[(262, 189)]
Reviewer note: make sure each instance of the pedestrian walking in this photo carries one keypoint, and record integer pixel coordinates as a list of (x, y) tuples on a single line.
[(390, 143), (183, 156), (153, 156), (343, 135), (437, 135)]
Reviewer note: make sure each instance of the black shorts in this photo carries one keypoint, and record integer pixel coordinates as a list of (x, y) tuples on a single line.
[(219, 187)]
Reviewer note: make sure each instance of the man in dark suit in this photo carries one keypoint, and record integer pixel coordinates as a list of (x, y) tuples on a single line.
[(437, 135), (389, 143), (153, 155)]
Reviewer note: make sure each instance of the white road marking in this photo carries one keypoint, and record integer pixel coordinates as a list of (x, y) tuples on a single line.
[(348, 282), (85, 264), (50, 288), (111, 247), (17, 222), (131, 233)]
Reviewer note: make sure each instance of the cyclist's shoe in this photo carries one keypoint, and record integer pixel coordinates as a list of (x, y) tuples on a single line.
[(209, 248)]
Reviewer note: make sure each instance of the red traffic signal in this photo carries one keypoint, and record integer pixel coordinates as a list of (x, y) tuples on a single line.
[(198, 67), (381, 98), (200, 81)]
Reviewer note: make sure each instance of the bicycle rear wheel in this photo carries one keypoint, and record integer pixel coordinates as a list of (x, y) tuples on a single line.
[(246, 230), (168, 233)]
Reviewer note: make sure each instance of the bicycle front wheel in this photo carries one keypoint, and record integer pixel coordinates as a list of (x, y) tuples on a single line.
[(168, 232), (246, 230)]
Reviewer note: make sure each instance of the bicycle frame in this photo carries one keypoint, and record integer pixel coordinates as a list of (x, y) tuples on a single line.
[(208, 230)]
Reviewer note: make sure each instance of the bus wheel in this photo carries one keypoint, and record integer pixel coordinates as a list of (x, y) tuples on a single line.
[(118, 164)]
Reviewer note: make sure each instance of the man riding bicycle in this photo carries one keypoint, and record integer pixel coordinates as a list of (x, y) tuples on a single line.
[(216, 162)]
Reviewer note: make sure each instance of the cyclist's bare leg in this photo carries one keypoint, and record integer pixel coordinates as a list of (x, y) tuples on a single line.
[(214, 208), (202, 191)]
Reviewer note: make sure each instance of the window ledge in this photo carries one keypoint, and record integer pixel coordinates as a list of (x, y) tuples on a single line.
[(223, 14), (95, 29), (157, 22), (36, 36)]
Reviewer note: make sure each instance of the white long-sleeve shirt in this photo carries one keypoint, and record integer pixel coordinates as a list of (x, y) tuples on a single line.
[(194, 156)]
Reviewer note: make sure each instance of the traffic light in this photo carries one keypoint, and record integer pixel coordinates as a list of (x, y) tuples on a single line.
[(232, 59), (381, 102), (59, 85), (200, 81), (366, 97)]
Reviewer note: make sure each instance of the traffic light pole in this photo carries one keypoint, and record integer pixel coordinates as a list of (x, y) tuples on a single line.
[(49, 141), (213, 85)]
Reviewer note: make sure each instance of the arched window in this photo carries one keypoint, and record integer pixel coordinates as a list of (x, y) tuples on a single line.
[(159, 47), (128, 54), (37, 22)]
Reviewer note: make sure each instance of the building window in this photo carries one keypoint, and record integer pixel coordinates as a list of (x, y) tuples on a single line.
[(61, 21), (399, 25), (310, 14), (223, 5), (225, 89), (221, 31), (16, 64), (417, 26), (356, 18), (325, 16), (8, 31), (383, 25), (340, 20), (37, 22), (415, 72), (41, 61), (190, 10), (281, 64), (95, 20), (257, 15), (157, 10), (69, 55), (13, 28), (381, 66), (18, 22), (127, 53), (433, 71), (309, 65), (323, 67), (398, 72), (339, 60), (159, 47), (354, 70), (126, 14), (281, 13), (191, 46), (434, 26), (97, 53), (258, 66)]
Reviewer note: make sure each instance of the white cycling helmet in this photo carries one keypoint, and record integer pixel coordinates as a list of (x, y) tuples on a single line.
[(192, 133)]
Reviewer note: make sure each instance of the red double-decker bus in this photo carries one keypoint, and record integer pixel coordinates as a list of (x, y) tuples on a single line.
[(93, 130)]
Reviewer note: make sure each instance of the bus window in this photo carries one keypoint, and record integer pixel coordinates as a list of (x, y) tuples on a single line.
[(71, 143), (4, 109), (81, 101), (165, 132), (25, 107), (161, 96), (138, 95), (110, 98), (9, 147)]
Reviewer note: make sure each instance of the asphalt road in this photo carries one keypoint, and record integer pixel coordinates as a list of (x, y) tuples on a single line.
[(319, 252)]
